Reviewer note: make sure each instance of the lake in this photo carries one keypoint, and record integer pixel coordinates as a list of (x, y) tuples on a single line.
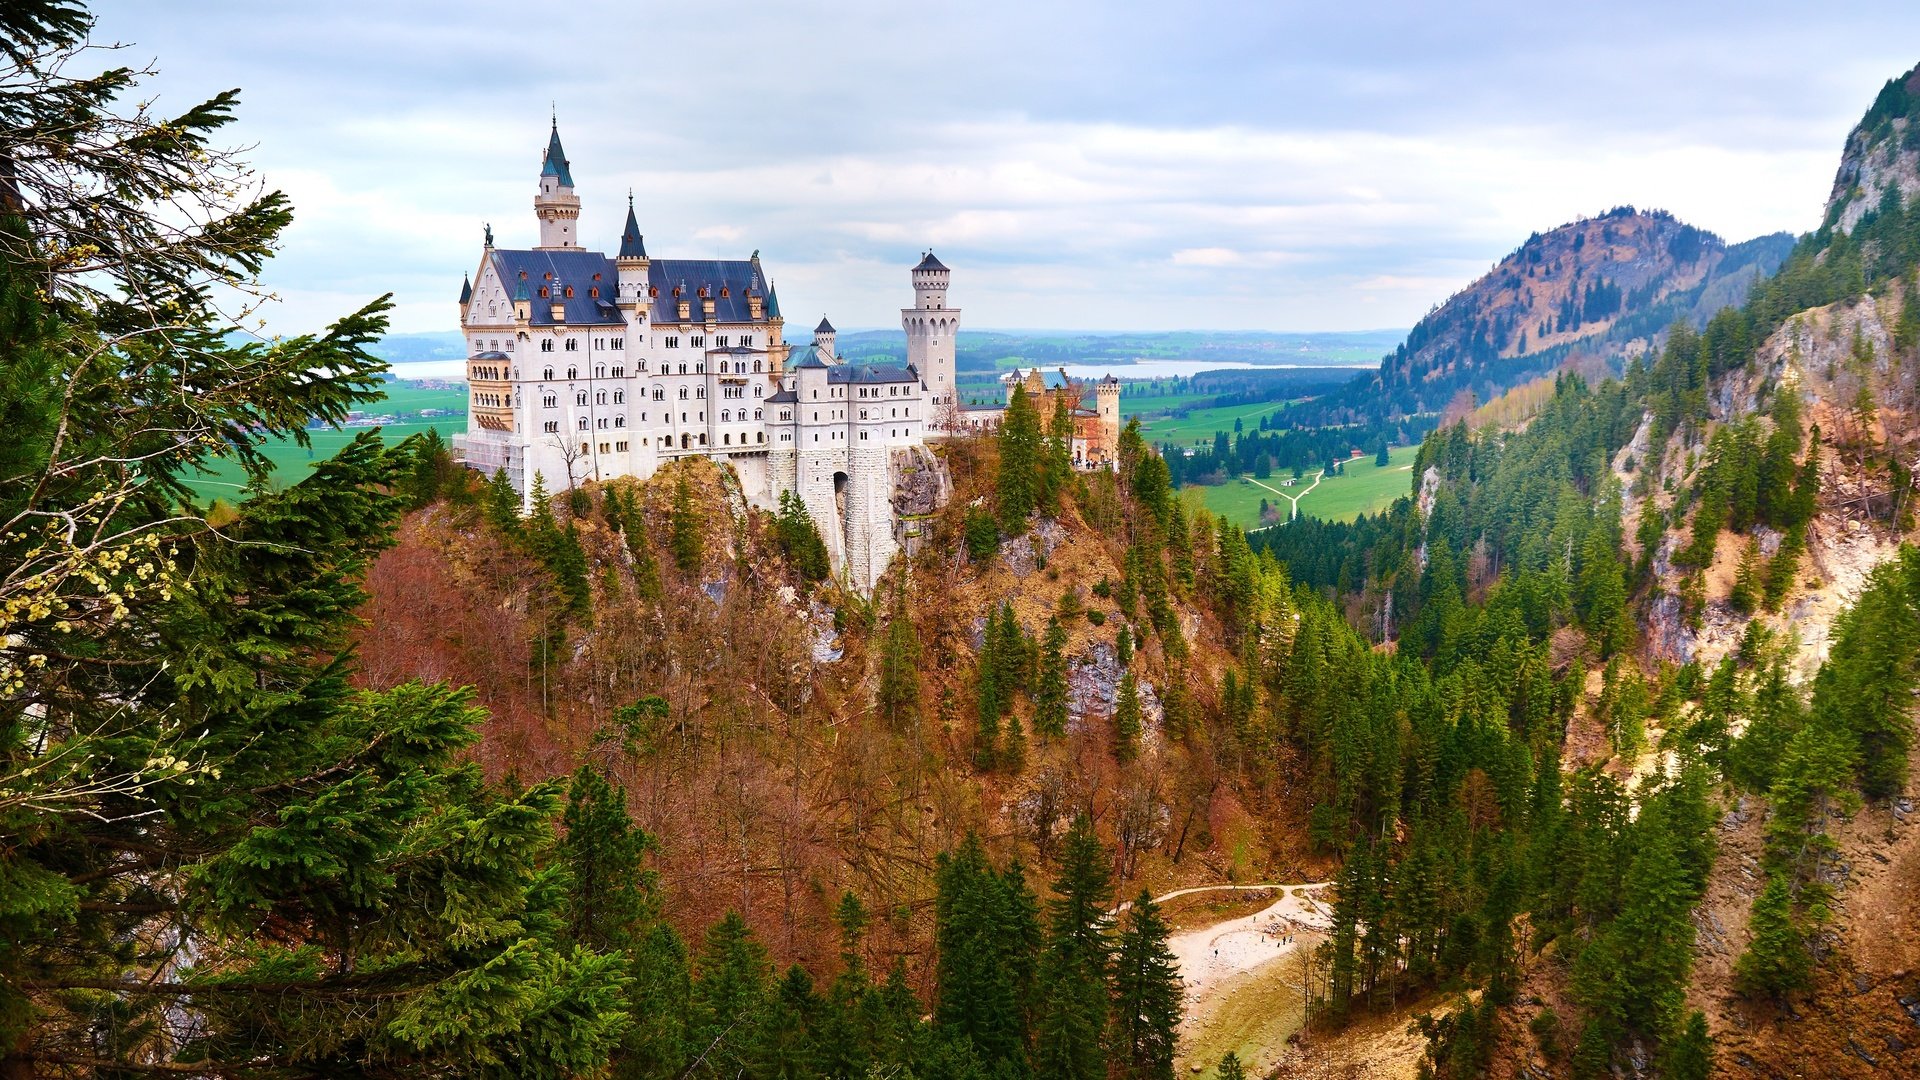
[(1138, 369)]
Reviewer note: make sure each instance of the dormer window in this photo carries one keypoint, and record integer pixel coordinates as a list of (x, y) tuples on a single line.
[(543, 292)]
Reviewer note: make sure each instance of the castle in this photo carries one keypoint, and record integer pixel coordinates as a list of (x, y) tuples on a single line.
[(583, 368), (1095, 443)]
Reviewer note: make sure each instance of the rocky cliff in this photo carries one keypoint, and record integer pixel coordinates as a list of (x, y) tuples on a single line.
[(1882, 155)]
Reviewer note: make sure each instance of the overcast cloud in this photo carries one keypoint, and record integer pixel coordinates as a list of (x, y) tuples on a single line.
[(1097, 166)]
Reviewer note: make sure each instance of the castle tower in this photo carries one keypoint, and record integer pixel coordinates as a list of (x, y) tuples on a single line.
[(557, 207), (1106, 396), (823, 336), (931, 327), (631, 264)]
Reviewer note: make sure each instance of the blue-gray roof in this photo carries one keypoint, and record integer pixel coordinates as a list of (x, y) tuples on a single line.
[(930, 263), (555, 163), (806, 356), (586, 271), (825, 327), (727, 281), (872, 373), (466, 289), (782, 397)]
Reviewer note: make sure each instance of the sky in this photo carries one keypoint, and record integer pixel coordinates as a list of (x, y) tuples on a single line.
[(1102, 166)]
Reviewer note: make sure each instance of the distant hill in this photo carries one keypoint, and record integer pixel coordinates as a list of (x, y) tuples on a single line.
[(1607, 285)]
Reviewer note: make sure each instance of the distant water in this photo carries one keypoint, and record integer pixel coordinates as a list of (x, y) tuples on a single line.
[(1138, 369)]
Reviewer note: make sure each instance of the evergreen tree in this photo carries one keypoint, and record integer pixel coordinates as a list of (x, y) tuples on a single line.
[(899, 697), (1126, 719), (800, 540), (1745, 596), (503, 504), (1690, 1056), (1230, 1068), (190, 773), (1020, 485), (683, 525), (986, 934), (1057, 473), (1776, 962), (1146, 995), (1050, 691), (646, 569), (608, 891), (1069, 1030), (729, 1000)]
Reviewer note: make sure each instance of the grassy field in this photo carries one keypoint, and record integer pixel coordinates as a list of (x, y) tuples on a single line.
[(1198, 426), (404, 401), (1363, 488)]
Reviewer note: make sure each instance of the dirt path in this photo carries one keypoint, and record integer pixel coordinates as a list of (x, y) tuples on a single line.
[(1240, 995), (1294, 499)]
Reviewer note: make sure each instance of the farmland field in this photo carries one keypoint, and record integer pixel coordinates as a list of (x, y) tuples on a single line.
[(404, 402), (1363, 488), (1198, 426)]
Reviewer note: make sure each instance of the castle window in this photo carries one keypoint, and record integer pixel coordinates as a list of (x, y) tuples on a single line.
[(618, 343), (756, 386), (700, 367), (583, 424), (509, 347), (573, 344), (600, 371), (722, 339), (603, 423), (619, 397), (725, 415), (703, 440), (546, 345), (543, 292), (552, 427), (619, 421), (600, 397), (580, 398), (573, 373), (756, 414), (569, 294), (683, 393), (552, 401), (673, 341), (619, 372), (683, 369), (699, 341), (746, 342), (726, 440), (756, 370), (759, 436), (863, 435), (700, 392), (620, 446), (659, 393)]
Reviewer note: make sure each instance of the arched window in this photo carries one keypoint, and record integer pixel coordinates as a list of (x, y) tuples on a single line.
[(580, 398), (546, 344), (547, 374), (583, 423), (573, 344), (573, 373)]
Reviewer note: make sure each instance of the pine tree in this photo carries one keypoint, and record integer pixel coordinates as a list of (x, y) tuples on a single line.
[(1057, 473), (189, 761), (1070, 1028), (985, 934), (1123, 648), (1230, 1068), (1126, 720), (1146, 995), (1776, 962), (1745, 596), (683, 525), (899, 697), (1020, 485), (503, 504), (646, 569), (729, 1000), (1690, 1055), (608, 894), (1050, 691)]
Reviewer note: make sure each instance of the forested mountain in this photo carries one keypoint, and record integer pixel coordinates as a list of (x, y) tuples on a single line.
[(1605, 287)]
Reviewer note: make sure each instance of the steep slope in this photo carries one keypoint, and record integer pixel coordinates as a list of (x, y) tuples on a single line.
[(1879, 155)]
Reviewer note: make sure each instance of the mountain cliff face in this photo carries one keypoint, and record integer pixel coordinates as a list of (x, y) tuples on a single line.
[(1604, 285), (1880, 155)]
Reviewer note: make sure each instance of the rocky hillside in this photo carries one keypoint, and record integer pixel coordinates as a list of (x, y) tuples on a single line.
[(1606, 285), (1879, 155)]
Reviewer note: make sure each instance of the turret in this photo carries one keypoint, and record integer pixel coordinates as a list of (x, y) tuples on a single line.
[(823, 336), (632, 261), (557, 207), (931, 328), (466, 297), (1106, 397)]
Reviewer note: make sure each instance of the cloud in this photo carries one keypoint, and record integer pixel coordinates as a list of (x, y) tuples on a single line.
[(1259, 165)]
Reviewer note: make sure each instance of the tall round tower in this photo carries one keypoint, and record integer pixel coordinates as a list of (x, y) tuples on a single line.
[(931, 328), (1106, 398), (557, 206)]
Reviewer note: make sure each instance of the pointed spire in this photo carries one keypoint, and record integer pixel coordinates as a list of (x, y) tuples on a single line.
[(555, 162), (466, 290), (825, 327), (773, 301), (632, 244)]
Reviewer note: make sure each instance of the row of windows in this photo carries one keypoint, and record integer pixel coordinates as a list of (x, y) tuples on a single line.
[(893, 390)]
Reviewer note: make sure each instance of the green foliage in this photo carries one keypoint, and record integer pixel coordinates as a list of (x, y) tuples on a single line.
[(1146, 995), (503, 505), (1050, 688), (1776, 961), (799, 540), (1021, 483), (1072, 998), (899, 696), (1126, 719), (982, 534), (684, 524)]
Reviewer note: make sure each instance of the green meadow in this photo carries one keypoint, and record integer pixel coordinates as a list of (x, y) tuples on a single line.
[(1362, 488)]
